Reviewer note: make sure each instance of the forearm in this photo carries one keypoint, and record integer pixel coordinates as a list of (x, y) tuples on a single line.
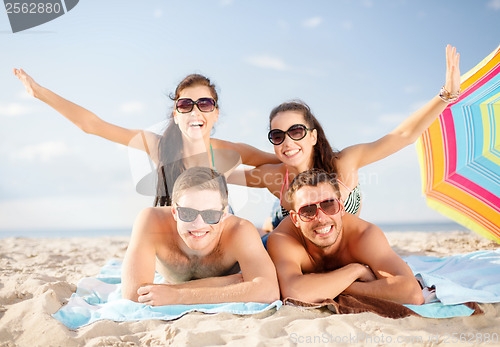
[(419, 121), (400, 289), (81, 117), (316, 287), (256, 290), (211, 282)]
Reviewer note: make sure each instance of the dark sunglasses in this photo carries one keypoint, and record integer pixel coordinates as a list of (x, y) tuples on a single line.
[(186, 105), (296, 132), (187, 214), (308, 212)]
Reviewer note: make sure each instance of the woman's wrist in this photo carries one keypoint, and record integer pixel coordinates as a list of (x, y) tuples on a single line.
[(447, 96)]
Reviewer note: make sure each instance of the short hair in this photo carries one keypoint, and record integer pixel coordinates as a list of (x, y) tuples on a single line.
[(200, 178), (312, 178)]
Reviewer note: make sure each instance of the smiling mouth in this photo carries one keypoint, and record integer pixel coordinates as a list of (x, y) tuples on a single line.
[(198, 234), (291, 152), (196, 124), (324, 230)]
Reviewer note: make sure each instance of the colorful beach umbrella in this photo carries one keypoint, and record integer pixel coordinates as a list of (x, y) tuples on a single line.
[(460, 153)]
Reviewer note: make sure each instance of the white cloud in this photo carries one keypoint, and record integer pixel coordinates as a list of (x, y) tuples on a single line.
[(158, 13), (312, 22), (132, 107), (43, 152), (494, 4), (267, 62), (13, 109)]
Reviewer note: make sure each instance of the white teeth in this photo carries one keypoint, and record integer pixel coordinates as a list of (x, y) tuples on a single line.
[(291, 152), (324, 230), (196, 124), (197, 234)]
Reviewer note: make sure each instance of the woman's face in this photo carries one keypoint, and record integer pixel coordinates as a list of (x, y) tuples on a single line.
[(196, 124), (296, 153)]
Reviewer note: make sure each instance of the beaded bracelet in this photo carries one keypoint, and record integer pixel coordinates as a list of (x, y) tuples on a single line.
[(447, 97)]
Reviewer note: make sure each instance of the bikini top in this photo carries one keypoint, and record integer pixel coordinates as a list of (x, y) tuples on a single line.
[(351, 204)]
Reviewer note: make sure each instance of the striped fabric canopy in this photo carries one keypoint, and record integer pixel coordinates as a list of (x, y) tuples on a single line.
[(459, 153)]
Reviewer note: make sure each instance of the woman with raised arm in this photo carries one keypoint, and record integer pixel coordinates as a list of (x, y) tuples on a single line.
[(301, 144), (185, 143)]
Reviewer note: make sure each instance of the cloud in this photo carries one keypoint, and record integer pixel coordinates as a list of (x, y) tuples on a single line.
[(267, 62), (13, 109), (44, 151), (132, 107), (312, 22), (158, 13), (494, 4)]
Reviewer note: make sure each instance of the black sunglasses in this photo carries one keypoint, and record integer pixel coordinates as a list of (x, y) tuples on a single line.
[(187, 214), (186, 105), (308, 212), (296, 132)]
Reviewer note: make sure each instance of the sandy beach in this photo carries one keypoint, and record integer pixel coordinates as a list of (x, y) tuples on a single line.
[(38, 276)]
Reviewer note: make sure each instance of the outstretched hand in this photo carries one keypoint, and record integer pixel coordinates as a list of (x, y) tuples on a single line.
[(27, 81), (452, 84)]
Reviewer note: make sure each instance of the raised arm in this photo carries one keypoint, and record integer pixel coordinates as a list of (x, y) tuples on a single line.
[(289, 256), (412, 127), (256, 283), (249, 155), (88, 121), (395, 280)]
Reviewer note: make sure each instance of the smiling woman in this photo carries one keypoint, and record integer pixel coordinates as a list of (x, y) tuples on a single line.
[(185, 143)]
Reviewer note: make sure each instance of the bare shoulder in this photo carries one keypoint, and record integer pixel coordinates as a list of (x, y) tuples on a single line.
[(362, 235), (153, 220), (285, 238), (236, 226)]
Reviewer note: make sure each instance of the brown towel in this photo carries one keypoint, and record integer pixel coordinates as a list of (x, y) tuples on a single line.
[(345, 303)]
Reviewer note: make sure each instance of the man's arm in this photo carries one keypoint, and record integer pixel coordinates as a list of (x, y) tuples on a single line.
[(257, 282), (140, 259), (288, 255), (395, 280)]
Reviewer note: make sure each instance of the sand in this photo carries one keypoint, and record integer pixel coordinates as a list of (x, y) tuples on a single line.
[(37, 277)]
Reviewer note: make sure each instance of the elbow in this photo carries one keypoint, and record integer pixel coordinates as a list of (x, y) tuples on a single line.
[(267, 292), (414, 296)]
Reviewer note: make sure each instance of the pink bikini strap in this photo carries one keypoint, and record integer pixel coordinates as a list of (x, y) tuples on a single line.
[(346, 187), (283, 186)]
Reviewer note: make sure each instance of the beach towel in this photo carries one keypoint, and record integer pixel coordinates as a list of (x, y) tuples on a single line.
[(452, 288), (348, 304), (460, 278), (98, 298)]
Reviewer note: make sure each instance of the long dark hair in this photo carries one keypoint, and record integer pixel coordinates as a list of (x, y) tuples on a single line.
[(324, 155), (170, 149)]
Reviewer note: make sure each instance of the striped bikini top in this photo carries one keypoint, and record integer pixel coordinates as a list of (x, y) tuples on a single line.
[(351, 204)]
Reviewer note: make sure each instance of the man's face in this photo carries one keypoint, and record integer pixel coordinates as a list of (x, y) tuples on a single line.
[(324, 229), (197, 234)]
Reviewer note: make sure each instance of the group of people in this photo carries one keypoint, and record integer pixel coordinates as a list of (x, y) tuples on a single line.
[(319, 248)]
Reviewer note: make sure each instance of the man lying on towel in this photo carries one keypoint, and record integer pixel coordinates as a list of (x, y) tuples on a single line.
[(320, 251), (199, 248)]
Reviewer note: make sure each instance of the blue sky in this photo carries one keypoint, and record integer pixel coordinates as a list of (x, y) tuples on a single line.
[(362, 66)]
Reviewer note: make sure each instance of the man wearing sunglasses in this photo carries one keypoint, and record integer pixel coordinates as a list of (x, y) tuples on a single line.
[(205, 254), (320, 251)]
